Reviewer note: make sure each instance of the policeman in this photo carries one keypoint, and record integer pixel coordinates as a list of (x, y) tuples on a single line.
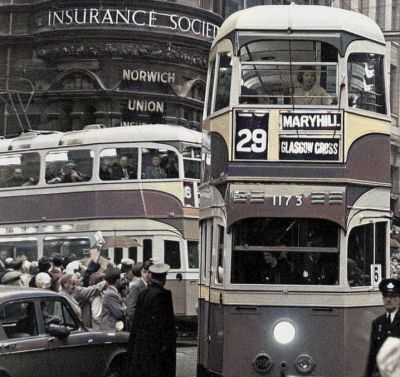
[(385, 325)]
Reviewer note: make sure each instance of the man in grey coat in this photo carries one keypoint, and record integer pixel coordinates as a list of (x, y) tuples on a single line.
[(113, 309), (134, 290)]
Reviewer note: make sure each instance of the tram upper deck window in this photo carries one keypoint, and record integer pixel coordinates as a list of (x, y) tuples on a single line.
[(210, 86), (70, 166), (19, 170), (366, 87), (192, 162), (159, 164), (285, 251), (118, 164), (289, 72), (223, 82)]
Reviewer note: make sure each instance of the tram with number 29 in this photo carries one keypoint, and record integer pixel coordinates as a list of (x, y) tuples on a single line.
[(137, 185), (295, 197)]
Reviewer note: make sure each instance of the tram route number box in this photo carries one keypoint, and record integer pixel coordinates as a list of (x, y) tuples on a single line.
[(251, 136)]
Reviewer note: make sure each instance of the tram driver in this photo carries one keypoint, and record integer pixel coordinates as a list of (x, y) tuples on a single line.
[(277, 270), (386, 325)]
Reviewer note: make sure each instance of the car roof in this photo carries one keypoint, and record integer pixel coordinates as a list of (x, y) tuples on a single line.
[(13, 292)]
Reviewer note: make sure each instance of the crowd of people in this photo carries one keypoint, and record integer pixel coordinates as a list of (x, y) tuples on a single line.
[(129, 297)]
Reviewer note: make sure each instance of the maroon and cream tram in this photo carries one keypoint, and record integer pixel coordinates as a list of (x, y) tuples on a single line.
[(295, 194), (58, 189)]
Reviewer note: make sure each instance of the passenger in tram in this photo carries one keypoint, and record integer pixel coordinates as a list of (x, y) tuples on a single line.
[(155, 171), (105, 170), (122, 169), (17, 179), (310, 92), (72, 174), (170, 163), (277, 271)]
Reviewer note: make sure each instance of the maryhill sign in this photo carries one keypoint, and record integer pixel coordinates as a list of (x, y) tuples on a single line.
[(130, 17)]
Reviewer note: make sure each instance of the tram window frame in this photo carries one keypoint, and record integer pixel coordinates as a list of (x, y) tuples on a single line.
[(224, 76), (220, 254), (133, 253), (172, 254), (26, 161), (324, 90), (68, 161), (288, 251), (211, 84), (359, 266), (147, 249), (168, 167), (113, 171), (79, 243), (19, 249), (193, 254), (368, 87), (191, 158)]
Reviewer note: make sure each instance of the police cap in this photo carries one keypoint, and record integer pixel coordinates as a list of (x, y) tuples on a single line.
[(390, 287)]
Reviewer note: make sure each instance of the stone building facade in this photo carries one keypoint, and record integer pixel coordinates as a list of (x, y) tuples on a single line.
[(66, 64)]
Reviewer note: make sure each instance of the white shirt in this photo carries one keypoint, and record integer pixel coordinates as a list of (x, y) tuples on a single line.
[(392, 315)]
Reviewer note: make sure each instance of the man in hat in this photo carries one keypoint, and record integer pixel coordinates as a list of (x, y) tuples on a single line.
[(12, 278), (152, 341), (385, 325)]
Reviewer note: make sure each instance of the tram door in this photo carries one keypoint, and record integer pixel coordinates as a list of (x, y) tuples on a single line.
[(216, 315)]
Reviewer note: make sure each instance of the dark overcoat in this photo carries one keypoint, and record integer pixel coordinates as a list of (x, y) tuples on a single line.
[(152, 341), (381, 330)]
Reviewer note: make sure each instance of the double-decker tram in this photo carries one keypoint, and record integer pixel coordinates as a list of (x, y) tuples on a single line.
[(294, 202), (137, 185)]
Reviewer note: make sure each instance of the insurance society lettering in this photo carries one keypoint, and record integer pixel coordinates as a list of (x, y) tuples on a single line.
[(133, 17)]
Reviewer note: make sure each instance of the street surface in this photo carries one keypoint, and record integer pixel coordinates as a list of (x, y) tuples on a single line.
[(186, 360)]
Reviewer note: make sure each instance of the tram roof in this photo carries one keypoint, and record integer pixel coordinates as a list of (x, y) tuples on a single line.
[(302, 18), (142, 133)]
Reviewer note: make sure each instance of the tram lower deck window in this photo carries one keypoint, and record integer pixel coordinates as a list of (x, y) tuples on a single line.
[(285, 251)]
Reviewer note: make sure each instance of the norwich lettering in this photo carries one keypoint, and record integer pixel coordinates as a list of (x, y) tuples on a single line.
[(148, 76)]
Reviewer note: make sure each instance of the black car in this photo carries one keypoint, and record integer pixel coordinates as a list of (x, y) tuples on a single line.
[(40, 335)]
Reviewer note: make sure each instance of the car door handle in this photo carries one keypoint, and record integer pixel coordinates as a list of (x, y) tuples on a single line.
[(9, 346)]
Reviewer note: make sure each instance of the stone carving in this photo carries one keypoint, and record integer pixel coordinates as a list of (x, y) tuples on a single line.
[(123, 50)]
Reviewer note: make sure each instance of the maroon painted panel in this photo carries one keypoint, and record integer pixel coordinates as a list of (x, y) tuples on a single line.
[(88, 205)]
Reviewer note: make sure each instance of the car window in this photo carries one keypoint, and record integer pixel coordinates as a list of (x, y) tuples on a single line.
[(56, 312), (18, 320)]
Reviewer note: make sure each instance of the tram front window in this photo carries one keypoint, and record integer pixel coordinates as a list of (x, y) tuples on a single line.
[(285, 251), (289, 72)]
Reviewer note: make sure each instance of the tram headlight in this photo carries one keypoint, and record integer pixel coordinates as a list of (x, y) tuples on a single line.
[(304, 364), (284, 332)]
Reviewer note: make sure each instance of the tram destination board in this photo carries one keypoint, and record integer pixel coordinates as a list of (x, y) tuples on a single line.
[(293, 148), (251, 136)]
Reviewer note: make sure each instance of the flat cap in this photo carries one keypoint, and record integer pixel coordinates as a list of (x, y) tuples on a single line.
[(390, 286), (11, 276), (159, 268), (127, 261)]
